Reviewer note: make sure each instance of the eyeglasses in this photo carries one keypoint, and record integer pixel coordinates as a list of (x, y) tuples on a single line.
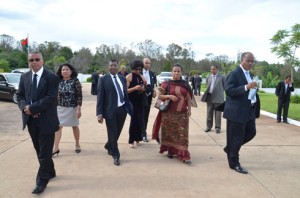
[(34, 59)]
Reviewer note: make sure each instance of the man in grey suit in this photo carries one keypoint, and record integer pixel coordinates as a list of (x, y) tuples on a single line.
[(215, 96), (240, 110), (113, 105), (37, 99)]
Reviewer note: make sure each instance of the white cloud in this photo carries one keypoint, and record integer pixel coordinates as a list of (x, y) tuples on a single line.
[(212, 26)]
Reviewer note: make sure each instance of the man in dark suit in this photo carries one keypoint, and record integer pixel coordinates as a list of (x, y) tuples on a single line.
[(239, 110), (95, 77), (150, 93), (37, 99), (113, 105), (283, 92)]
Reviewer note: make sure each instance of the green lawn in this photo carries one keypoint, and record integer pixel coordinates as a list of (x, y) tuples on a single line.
[(269, 103)]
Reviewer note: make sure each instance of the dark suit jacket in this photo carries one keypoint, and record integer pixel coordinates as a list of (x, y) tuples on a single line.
[(280, 91), (237, 106), (46, 104), (95, 77), (107, 98), (150, 88)]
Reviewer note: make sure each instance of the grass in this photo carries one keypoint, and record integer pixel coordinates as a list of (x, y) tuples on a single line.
[(268, 102)]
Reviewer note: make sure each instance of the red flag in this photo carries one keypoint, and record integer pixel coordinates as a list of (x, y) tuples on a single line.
[(25, 42)]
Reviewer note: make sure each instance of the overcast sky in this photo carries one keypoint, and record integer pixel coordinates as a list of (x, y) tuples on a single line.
[(221, 27)]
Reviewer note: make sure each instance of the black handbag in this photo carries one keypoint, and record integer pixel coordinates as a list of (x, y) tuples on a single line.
[(204, 97), (163, 105)]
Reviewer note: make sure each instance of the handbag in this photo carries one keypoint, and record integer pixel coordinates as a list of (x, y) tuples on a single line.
[(163, 105), (204, 97)]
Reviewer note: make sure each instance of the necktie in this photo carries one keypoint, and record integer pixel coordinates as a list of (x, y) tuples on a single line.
[(34, 88), (248, 76), (213, 79), (121, 96), (286, 87)]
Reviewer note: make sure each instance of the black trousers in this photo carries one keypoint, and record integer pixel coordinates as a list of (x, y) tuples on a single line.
[(238, 134), (146, 115), (283, 104), (43, 144), (94, 89), (114, 128)]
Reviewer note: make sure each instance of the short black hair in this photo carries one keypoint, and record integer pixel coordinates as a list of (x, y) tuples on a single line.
[(114, 60), (245, 54), (177, 65), (74, 73), (137, 64), (36, 52), (288, 76)]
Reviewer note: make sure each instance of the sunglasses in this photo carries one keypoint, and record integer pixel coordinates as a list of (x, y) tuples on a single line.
[(34, 59)]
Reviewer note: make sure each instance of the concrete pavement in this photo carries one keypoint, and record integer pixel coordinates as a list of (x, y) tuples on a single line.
[(272, 158)]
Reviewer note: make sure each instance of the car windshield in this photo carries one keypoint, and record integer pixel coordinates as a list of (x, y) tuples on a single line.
[(13, 78)]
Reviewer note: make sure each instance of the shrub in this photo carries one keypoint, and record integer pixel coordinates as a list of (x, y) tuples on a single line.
[(295, 99), (89, 79)]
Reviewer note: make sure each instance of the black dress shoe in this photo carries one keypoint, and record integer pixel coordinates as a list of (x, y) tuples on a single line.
[(38, 189), (108, 151), (285, 121), (278, 121), (116, 161), (225, 149), (240, 169), (218, 131), (207, 130)]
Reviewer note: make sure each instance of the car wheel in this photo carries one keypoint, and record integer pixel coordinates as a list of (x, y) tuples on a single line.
[(14, 97)]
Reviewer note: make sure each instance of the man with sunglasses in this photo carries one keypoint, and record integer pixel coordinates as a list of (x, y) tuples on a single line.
[(37, 99)]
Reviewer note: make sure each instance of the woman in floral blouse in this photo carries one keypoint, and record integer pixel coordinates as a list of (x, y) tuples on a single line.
[(69, 104)]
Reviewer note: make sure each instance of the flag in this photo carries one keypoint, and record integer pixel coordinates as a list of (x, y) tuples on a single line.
[(25, 42)]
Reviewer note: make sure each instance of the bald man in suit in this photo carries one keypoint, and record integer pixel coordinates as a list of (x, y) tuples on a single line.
[(240, 110)]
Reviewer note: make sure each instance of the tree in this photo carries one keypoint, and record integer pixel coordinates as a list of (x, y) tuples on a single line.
[(66, 52), (149, 49), (286, 44), (6, 43), (4, 65), (174, 52), (82, 60)]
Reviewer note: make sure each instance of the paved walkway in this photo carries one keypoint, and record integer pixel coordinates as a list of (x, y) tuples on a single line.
[(272, 158)]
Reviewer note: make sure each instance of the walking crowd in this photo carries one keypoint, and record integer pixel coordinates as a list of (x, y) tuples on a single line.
[(49, 102)]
